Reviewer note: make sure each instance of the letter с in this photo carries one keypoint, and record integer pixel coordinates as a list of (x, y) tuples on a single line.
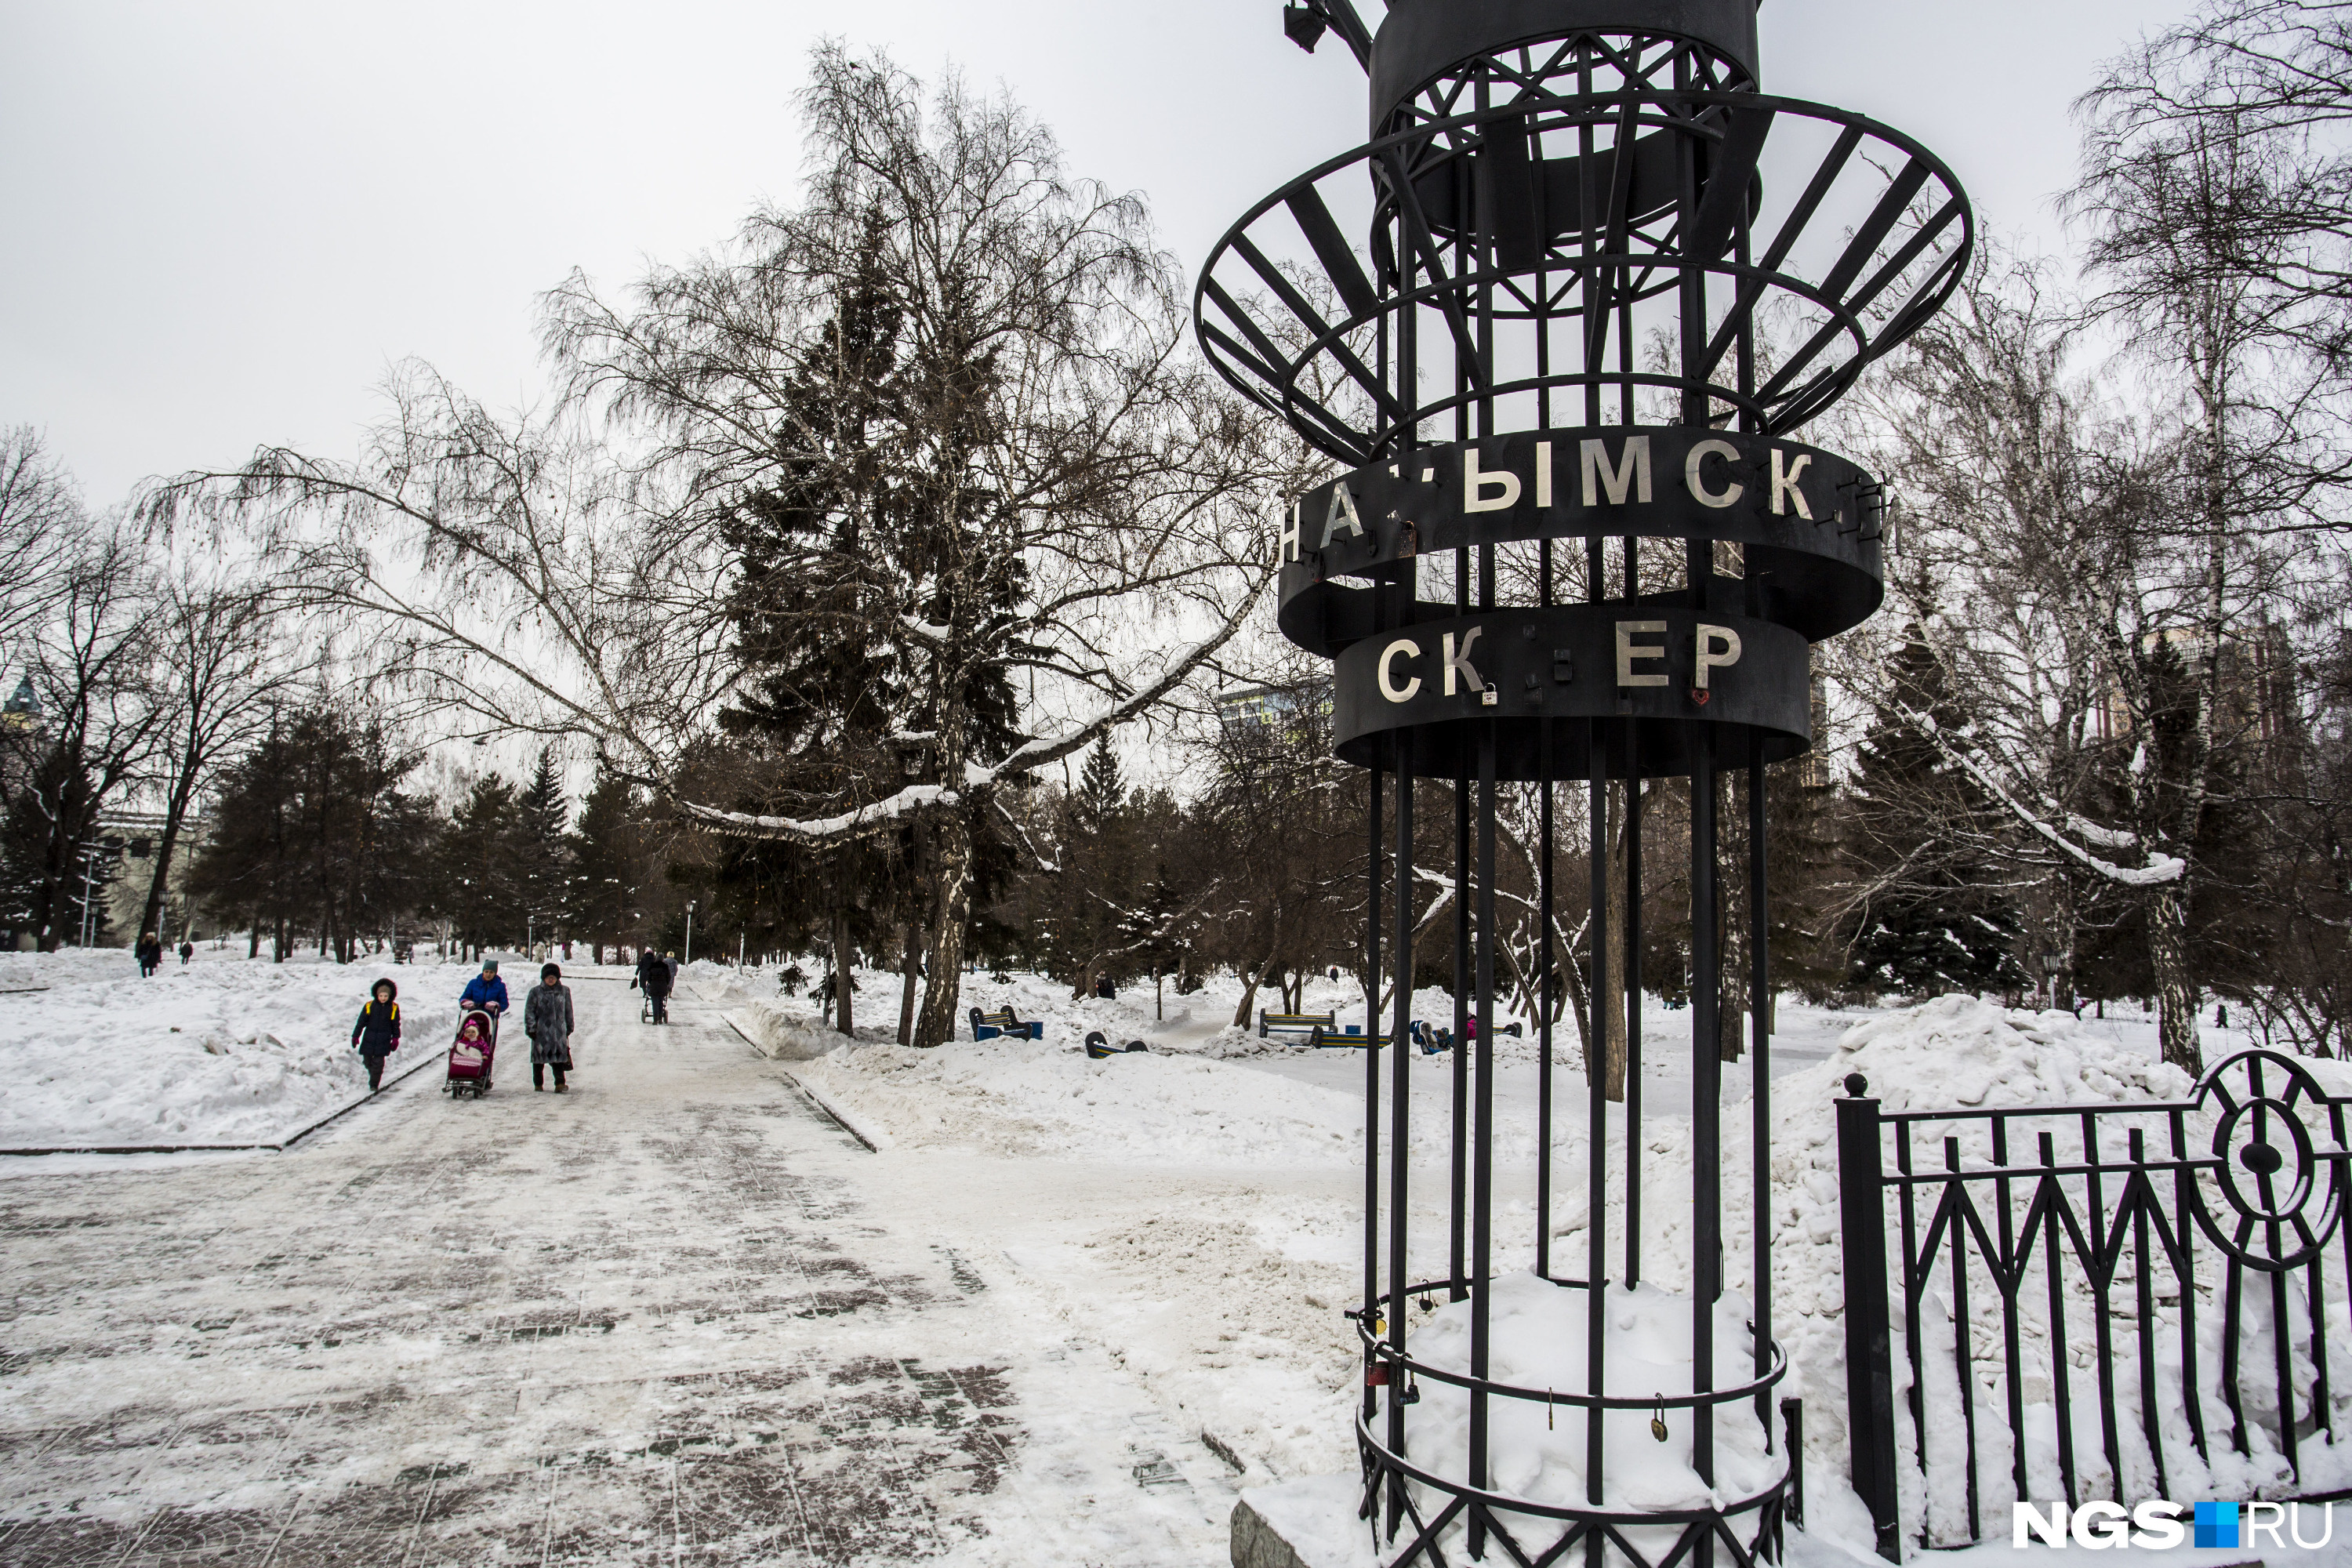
[(1692, 481), (1628, 651), (1404, 648)]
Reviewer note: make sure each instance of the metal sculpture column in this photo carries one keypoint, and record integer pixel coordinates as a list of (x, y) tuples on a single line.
[(1583, 284)]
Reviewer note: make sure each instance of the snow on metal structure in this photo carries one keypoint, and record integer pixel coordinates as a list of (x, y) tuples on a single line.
[(1582, 284)]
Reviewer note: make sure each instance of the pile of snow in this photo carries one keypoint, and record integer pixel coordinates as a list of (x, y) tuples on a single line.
[(223, 1050), (1046, 1097), (787, 1036)]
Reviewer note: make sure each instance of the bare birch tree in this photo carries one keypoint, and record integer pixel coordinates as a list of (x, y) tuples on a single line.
[(1055, 493)]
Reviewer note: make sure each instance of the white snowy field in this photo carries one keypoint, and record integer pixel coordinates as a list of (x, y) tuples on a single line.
[(221, 1050), (1193, 1209), (1214, 1110)]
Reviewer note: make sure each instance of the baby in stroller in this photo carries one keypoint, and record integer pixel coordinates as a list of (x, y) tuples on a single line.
[(472, 1054)]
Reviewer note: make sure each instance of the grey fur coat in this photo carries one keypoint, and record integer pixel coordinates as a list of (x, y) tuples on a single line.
[(546, 1019)]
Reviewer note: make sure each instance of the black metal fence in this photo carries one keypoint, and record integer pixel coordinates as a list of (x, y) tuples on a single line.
[(2115, 1301)]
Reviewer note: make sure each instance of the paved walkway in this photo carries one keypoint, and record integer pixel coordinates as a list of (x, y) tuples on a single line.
[(668, 1318)]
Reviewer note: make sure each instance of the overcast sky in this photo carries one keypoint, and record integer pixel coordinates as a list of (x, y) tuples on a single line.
[(221, 223)]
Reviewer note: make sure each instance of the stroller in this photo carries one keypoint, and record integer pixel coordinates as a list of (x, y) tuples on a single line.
[(470, 1058)]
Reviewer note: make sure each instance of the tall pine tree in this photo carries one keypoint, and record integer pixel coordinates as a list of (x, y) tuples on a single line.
[(1926, 921), (544, 854)]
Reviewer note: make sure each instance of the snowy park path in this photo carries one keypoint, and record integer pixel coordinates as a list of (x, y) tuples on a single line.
[(672, 1317)]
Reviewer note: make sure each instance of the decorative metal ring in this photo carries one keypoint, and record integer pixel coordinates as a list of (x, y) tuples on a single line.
[(2259, 1137), (1264, 351), (1730, 1507), (1379, 1350)]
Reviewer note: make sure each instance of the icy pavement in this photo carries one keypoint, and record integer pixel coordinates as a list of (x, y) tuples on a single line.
[(675, 1316)]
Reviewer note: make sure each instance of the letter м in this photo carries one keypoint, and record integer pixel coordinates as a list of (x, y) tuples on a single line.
[(1631, 470)]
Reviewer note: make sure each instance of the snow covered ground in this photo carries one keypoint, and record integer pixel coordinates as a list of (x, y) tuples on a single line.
[(221, 1050), (1161, 1241)]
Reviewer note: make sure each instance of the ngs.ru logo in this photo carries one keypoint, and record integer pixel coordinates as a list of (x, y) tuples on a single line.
[(2157, 1525)]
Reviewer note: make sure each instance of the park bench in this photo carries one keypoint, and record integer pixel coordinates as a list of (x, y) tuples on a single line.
[(988, 1025), (1342, 1039), (1302, 1022), (1099, 1048)]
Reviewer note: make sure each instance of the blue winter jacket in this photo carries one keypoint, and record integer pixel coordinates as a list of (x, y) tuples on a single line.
[(481, 991)]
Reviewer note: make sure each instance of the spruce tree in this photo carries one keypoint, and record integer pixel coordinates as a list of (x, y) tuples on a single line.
[(543, 849), (609, 867), (1102, 789), (1929, 922)]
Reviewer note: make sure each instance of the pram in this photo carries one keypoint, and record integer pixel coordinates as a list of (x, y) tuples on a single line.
[(469, 1061)]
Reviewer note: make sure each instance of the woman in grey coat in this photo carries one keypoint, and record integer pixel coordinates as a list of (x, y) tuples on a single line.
[(546, 1019)]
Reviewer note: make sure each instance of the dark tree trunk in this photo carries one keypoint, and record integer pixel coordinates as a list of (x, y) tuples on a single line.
[(841, 982), (911, 962)]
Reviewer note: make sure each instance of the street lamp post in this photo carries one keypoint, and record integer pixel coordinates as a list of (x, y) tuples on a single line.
[(689, 931)]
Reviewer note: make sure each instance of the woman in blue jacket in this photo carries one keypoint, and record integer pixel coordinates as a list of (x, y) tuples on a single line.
[(485, 990)]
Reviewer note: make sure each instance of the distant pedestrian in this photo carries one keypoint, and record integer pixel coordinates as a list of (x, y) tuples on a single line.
[(654, 979), (150, 952), (546, 1019), (377, 1034), (187, 952), (1103, 987)]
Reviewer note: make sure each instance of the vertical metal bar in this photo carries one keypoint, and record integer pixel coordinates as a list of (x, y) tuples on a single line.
[(1405, 591), (2009, 1274), (1632, 961), (1372, 1079), (1706, 1099), (1459, 1234), (2062, 1393), (1596, 1265), (1401, 1097), (2138, 1195), (1547, 979), (1913, 1267), (1545, 983), (1482, 1206), (1869, 1354), (1759, 1133), (2103, 1320), (2233, 1306), (2184, 1182), (1963, 1359)]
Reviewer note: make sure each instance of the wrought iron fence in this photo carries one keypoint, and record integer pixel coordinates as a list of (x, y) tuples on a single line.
[(2115, 1301)]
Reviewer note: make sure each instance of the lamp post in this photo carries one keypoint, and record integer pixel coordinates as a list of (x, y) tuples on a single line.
[(689, 931), (2052, 963)]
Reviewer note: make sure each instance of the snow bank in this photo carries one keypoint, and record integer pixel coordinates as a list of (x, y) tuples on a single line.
[(1045, 1098), (1957, 1052), (780, 1034), (220, 1051)]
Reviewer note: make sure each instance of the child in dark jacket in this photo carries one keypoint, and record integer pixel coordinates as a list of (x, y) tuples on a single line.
[(377, 1034)]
